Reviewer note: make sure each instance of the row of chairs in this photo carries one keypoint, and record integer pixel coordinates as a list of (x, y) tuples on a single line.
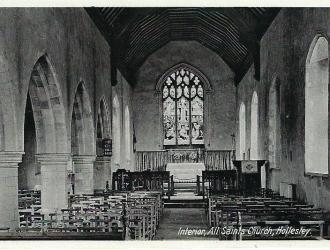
[(134, 215), (29, 205), (143, 214), (246, 217)]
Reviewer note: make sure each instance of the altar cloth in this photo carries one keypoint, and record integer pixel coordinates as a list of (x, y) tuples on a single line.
[(185, 171)]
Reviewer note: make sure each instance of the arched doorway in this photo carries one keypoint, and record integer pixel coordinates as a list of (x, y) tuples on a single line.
[(44, 165), (82, 143), (102, 170), (242, 132), (316, 107)]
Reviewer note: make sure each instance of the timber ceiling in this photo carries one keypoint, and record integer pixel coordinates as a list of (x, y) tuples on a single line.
[(135, 33)]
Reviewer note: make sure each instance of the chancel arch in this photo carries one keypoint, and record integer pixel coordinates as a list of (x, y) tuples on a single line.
[(242, 132), (183, 92), (316, 107)]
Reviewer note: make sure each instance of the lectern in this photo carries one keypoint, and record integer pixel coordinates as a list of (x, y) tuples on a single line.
[(252, 175)]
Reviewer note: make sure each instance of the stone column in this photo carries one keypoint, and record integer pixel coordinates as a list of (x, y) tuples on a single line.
[(53, 181), (102, 172), (83, 168), (9, 189)]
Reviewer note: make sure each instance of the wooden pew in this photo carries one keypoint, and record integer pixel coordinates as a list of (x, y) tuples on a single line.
[(265, 212)]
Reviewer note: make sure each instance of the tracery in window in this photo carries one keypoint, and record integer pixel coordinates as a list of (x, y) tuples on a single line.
[(183, 108)]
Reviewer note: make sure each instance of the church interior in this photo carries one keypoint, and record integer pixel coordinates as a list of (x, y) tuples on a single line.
[(164, 123)]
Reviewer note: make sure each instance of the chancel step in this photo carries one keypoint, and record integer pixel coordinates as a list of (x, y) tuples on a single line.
[(184, 204)]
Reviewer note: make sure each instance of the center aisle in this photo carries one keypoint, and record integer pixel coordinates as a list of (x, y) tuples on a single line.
[(176, 220)]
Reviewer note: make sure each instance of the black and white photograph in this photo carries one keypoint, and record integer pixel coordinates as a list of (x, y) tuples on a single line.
[(164, 123)]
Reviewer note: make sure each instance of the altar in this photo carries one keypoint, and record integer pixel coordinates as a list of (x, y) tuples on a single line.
[(185, 172)]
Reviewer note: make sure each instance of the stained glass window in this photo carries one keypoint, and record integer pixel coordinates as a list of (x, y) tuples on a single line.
[(183, 108)]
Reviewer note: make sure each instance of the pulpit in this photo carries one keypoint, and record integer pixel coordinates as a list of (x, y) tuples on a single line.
[(252, 175)]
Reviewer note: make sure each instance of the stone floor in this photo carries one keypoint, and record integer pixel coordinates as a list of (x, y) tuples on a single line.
[(176, 218)]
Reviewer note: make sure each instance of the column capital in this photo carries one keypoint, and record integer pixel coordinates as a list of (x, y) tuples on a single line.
[(84, 159), (10, 158), (53, 158)]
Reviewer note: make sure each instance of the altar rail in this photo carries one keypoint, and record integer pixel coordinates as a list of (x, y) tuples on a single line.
[(157, 160)]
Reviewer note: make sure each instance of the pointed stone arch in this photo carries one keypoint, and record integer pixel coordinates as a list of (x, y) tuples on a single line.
[(82, 125), (45, 102), (83, 146), (48, 109)]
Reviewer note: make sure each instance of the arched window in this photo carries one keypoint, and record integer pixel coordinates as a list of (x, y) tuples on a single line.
[(316, 107), (242, 132), (254, 127), (183, 108)]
